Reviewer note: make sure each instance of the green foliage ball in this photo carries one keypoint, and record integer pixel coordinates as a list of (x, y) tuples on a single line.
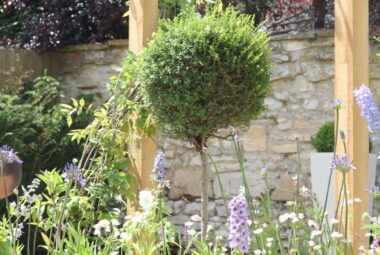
[(202, 73), (324, 139)]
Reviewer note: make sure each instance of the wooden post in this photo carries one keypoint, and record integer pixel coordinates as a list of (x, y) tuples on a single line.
[(143, 20), (351, 70)]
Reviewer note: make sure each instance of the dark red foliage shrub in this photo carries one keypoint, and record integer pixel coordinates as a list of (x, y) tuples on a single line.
[(55, 23)]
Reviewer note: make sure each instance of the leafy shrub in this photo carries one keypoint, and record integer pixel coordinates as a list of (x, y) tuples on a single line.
[(48, 24), (202, 74), (31, 122), (324, 139)]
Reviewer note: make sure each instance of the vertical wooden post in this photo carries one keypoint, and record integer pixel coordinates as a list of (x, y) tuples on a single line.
[(143, 20), (351, 70)]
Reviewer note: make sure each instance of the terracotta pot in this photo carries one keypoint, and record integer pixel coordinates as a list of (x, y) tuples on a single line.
[(12, 175)]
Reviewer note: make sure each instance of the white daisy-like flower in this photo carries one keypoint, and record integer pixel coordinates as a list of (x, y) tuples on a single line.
[(315, 233), (283, 217), (146, 200), (317, 247), (257, 252), (258, 231), (189, 224), (103, 225), (336, 235), (115, 222), (334, 221), (311, 243)]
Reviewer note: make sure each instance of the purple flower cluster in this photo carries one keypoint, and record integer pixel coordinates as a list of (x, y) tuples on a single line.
[(159, 167), (73, 173), (368, 107), (238, 223), (375, 245), (8, 155), (342, 163)]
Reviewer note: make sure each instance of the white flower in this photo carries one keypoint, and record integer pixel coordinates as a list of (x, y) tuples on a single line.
[(196, 218), (317, 247), (311, 243), (146, 200), (189, 224), (283, 217), (312, 224), (289, 203), (268, 245), (357, 200), (315, 233), (258, 231), (269, 239), (304, 191), (334, 221), (301, 216), (336, 235), (115, 222), (257, 252), (102, 225), (124, 236)]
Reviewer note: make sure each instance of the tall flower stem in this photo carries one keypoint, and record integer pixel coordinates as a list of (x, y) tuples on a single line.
[(331, 170), (346, 213), (7, 205), (160, 209)]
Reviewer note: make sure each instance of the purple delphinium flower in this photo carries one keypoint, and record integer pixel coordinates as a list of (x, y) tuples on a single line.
[(368, 107), (238, 223), (8, 155), (72, 173), (342, 134), (375, 245), (159, 167), (185, 236), (374, 189), (342, 163)]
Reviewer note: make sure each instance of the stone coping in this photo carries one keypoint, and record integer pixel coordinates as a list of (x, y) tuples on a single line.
[(97, 46)]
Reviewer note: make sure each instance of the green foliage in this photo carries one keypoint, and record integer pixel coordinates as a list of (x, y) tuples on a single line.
[(202, 73), (324, 140), (31, 122)]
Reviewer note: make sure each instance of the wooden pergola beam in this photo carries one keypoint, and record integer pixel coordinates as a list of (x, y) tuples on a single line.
[(143, 20), (351, 70)]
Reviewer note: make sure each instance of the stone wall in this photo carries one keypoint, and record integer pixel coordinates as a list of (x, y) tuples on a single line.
[(302, 80), (86, 69)]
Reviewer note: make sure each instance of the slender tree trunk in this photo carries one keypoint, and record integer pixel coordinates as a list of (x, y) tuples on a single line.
[(205, 188)]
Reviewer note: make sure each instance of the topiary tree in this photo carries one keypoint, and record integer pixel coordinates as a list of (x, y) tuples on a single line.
[(203, 73)]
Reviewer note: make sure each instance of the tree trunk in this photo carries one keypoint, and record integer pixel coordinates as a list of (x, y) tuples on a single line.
[(205, 188)]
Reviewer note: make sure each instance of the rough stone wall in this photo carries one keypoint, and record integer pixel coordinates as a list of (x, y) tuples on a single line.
[(86, 69), (302, 81)]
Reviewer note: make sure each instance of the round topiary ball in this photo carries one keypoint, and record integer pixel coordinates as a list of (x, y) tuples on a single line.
[(202, 73)]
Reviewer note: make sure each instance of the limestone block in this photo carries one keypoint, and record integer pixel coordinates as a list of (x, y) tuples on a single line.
[(231, 183), (278, 57), (179, 219), (187, 182), (195, 208), (178, 206), (284, 188), (273, 104), (285, 148), (315, 71), (284, 124), (290, 45), (323, 53), (281, 71), (311, 104), (255, 139), (302, 88)]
